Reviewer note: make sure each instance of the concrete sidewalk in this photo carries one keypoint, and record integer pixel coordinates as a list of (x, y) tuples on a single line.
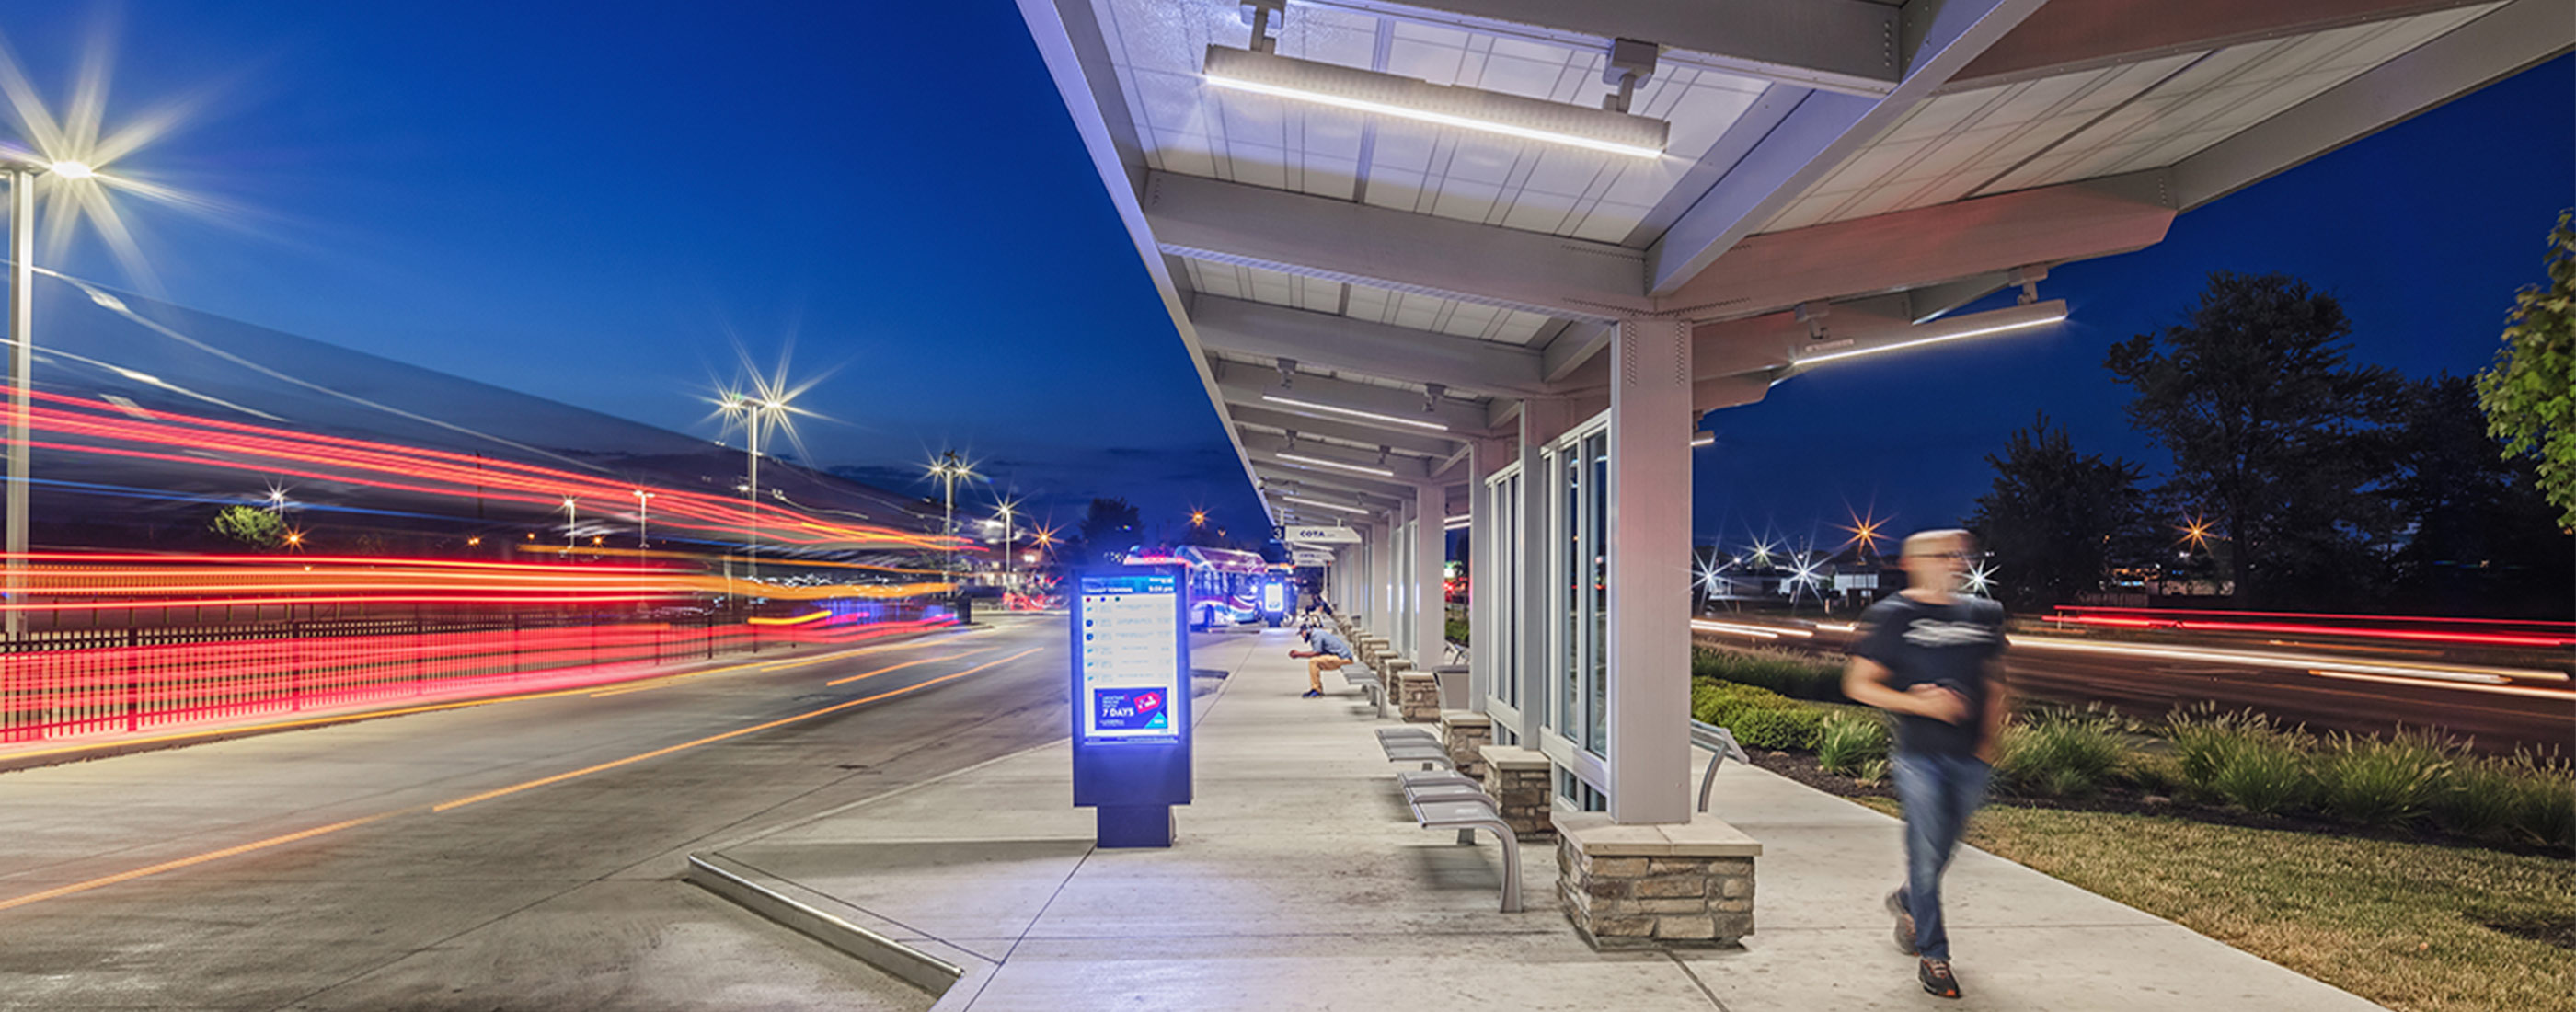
[(1299, 881)]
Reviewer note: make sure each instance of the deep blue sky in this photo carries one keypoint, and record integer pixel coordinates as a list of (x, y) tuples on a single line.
[(582, 202)]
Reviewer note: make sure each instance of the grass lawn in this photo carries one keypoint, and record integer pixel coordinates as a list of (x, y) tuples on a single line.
[(2405, 925)]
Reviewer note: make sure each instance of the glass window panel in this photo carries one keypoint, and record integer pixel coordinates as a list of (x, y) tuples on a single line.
[(1596, 454)]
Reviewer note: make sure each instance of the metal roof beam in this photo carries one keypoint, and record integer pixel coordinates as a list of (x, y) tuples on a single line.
[(1403, 471), (1281, 479), (1341, 240), (2472, 56), (1945, 242), (1838, 44), (1378, 349), (1938, 37), (1238, 382), (2069, 36)]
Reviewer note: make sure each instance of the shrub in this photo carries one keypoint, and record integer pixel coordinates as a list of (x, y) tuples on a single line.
[(1788, 728), (1455, 631), (1851, 740), (1798, 676), (2381, 781), (2152, 772), (2481, 800), (2063, 755), (2544, 800), (1759, 717), (2242, 759)]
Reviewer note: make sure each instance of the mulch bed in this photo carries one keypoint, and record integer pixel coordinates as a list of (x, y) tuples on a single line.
[(1803, 768)]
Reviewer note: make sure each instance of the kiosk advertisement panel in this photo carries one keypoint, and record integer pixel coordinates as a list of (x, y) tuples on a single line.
[(1131, 701)]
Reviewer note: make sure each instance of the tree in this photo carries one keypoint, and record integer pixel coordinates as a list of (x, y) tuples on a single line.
[(2480, 537), (1109, 526), (2530, 393), (2275, 438), (2056, 521), (257, 528)]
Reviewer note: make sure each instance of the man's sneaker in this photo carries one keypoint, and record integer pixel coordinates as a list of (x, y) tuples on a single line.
[(1936, 977), (1904, 921), (1311, 693)]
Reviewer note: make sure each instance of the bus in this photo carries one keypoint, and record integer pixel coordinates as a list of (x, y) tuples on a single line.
[(1225, 585)]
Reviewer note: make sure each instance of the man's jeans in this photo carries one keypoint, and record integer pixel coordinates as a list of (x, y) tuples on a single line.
[(1939, 793)]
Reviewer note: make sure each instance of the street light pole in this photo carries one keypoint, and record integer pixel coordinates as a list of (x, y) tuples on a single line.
[(643, 519), (1007, 547), (572, 519), (22, 367)]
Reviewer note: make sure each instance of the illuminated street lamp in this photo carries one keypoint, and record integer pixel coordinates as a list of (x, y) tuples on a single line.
[(572, 518), (948, 468), (1006, 508), (643, 518)]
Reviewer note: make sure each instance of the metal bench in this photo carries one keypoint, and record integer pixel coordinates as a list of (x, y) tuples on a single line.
[(1468, 816), (1721, 741), (1408, 732)]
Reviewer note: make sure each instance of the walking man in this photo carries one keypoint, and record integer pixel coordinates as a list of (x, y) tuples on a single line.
[(1329, 654), (1933, 658)]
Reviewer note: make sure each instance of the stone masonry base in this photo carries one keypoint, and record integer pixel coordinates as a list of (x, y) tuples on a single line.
[(1655, 886), (1466, 733), (1517, 778)]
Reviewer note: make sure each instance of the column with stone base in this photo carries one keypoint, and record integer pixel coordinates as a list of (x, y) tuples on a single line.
[(1518, 779), (1418, 697), (1669, 885), (1465, 733)]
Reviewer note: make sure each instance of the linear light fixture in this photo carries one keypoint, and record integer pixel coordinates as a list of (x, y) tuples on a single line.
[(1998, 322), (1457, 523), (1703, 439), (1326, 505), (1493, 112), (1302, 459), (1355, 413)]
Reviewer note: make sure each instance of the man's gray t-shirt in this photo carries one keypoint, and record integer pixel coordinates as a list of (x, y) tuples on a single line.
[(1947, 645)]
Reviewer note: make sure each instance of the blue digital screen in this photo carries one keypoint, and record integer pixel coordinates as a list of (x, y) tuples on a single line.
[(1131, 709)]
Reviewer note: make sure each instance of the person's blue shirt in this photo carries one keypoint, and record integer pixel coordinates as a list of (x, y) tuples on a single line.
[(1327, 642)]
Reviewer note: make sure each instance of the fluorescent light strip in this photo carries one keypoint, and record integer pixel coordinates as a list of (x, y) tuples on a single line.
[(1979, 332), (1325, 505), (1703, 439), (1435, 118), (1355, 413), (1338, 465)]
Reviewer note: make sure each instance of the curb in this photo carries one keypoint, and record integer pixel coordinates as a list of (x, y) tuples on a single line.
[(734, 882)]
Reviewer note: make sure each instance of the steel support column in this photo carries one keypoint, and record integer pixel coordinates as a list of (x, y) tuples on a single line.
[(1650, 572), (1430, 551), (1542, 419), (1484, 457)]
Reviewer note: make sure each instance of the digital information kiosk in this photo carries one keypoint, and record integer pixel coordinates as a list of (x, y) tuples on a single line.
[(1131, 701)]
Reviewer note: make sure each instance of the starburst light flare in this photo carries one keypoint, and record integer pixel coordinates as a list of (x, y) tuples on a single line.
[(78, 156)]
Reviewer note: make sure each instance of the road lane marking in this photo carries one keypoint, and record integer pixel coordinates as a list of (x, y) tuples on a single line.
[(307, 834), (907, 664), (736, 733), (212, 855)]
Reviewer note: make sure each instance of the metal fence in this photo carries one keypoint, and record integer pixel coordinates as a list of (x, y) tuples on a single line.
[(67, 682)]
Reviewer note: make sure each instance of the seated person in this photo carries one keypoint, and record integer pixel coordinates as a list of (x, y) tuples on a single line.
[(1329, 654)]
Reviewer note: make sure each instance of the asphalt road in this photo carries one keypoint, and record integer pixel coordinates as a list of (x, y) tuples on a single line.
[(521, 855), (2497, 718)]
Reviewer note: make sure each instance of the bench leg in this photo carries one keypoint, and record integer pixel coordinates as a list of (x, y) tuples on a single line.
[(1511, 864), (1709, 780)]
